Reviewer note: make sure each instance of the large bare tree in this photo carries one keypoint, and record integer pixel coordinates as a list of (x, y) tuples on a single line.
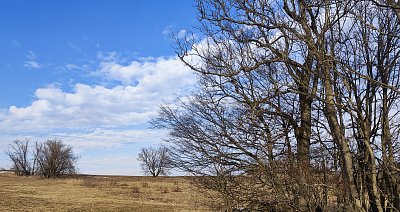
[(300, 97)]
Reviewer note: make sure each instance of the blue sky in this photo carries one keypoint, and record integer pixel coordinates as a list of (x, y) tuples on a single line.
[(91, 73)]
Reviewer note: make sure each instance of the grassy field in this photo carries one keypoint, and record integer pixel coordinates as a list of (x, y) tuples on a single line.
[(99, 193)]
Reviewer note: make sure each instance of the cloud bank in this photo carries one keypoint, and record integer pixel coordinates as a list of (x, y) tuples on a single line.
[(142, 85)]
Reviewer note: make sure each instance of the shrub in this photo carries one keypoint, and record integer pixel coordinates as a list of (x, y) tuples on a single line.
[(54, 159)]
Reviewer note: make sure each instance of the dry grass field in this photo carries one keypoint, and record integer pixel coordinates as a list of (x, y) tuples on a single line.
[(99, 193)]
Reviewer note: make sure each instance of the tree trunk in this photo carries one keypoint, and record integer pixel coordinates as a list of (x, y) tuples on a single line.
[(371, 172), (304, 131), (389, 172), (339, 138)]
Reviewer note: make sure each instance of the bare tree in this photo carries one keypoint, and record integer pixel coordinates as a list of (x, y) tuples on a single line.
[(54, 159), (155, 161), (314, 79), (22, 161)]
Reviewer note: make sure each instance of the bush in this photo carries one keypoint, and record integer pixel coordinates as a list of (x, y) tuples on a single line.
[(54, 159)]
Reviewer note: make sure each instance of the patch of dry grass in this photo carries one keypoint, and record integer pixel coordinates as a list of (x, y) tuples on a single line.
[(99, 193)]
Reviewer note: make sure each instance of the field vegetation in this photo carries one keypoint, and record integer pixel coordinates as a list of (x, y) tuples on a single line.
[(100, 193)]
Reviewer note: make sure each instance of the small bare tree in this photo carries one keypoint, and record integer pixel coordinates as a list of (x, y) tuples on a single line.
[(155, 161), (54, 158), (22, 163)]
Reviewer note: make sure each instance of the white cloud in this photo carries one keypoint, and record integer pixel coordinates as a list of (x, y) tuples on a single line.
[(145, 84), (31, 61), (147, 72)]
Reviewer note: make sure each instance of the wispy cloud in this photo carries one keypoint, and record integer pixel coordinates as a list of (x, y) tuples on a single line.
[(31, 61), (16, 43), (77, 49), (73, 46), (71, 66), (168, 30)]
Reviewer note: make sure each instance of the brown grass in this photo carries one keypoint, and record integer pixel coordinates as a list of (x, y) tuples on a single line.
[(99, 193)]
